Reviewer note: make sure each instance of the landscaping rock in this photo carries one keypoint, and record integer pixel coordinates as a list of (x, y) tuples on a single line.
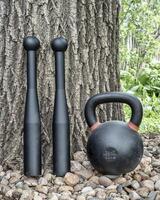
[(20, 184), (120, 180), (143, 192), (81, 197), (111, 189), (152, 195), (156, 163), (137, 177), (134, 196), (148, 184), (85, 183), (31, 181), (101, 194), (59, 181), (52, 196), (155, 178), (157, 185), (135, 184), (41, 189), (79, 156), (4, 188), (85, 173), (94, 179), (42, 181), (103, 180), (76, 166), (71, 179), (65, 188), (88, 191)]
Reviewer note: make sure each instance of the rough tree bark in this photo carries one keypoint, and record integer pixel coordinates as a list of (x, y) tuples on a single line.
[(91, 28)]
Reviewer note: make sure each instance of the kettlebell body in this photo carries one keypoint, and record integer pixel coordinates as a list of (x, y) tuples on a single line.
[(114, 147)]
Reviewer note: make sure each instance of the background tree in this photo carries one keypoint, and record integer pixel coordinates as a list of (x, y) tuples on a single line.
[(91, 28)]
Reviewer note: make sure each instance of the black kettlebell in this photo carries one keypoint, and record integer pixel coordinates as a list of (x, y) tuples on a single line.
[(114, 147)]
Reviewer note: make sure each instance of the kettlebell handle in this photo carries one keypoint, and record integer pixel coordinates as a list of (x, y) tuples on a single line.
[(132, 101)]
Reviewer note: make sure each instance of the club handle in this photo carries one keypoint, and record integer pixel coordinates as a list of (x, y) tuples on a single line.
[(61, 132), (32, 127)]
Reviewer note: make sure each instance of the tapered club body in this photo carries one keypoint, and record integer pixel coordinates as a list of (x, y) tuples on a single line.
[(61, 132), (32, 136)]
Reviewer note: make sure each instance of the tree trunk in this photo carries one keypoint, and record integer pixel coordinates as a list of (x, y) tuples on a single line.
[(91, 28)]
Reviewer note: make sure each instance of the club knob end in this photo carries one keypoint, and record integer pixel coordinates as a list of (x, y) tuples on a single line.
[(59, 44), (31, 43)]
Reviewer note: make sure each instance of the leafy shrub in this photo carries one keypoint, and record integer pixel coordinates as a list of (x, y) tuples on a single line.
[(140, 57)]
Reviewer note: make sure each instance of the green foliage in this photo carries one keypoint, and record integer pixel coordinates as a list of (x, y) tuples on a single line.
[(140, 57), (144, 82), (151, 119)]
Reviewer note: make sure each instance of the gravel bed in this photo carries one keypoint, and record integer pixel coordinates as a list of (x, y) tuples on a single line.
[(84, 183)]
